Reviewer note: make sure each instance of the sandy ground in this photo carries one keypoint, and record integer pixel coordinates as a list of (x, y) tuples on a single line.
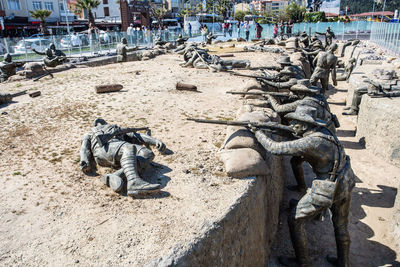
[(52, 214), (372, 203)]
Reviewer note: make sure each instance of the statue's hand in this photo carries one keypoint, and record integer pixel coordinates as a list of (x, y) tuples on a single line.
[(161, 146), (335, 83), (253, 128), (85, 167)]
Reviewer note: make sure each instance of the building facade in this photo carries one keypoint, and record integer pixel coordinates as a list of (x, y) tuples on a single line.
[(108, 10), (270, 6), (135, 12)]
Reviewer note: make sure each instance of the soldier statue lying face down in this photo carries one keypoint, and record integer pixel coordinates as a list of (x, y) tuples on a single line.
[(122, 149)]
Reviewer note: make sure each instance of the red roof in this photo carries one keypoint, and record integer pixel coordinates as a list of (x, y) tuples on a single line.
[(370, 14), (327, 14)]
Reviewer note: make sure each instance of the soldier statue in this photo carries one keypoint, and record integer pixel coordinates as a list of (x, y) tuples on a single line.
[(329, 35), (8, 67), (123, 49), (180, 40), (56, 52), (325, 62), (210, 37), (52, 61), (122, 149), (348, 70), (331, 189), (373, 89)]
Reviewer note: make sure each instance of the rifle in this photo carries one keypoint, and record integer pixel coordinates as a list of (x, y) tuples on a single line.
[(384, 94), (104, 138), (269, 126), (6, 98), (248, 75), (263, 94)]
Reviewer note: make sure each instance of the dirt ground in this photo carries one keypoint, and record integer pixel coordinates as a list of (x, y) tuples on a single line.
[(52, 214)]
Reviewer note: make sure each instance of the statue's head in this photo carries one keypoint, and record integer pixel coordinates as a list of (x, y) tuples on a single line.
[(7, 58), (48, 52), (352, 60), (328, 29), (99, 121), (124, 40), (180, 36), (52, 46), (333, 47), (304, 119)]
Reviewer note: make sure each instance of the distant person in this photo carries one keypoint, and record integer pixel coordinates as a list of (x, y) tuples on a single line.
[(275, 33), (289, 28), (259, 30), (282, 27), (75, 40), (190, 30), (246, 27), (238, 25), (224, 28), (129, 32), (230, 29)]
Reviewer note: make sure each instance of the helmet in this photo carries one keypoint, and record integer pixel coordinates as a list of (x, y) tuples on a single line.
[(7, 57), (124, 40)]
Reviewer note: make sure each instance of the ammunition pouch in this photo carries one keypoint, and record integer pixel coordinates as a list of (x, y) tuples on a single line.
[(335, 121), (322, 193)]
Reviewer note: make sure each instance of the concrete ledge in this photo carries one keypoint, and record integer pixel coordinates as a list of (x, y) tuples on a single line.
[(379, 123), (133, 56), (396, 220), (243, 236)]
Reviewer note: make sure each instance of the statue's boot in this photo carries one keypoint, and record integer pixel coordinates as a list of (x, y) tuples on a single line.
[(350, 112), (347, 108), (135, 184), (299, 240), (343, 251), (114, 180)]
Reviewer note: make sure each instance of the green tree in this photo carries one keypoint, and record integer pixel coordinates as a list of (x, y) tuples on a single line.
[(41, 14), (239, 15), (87, 5), (315, 17), (295, 12)]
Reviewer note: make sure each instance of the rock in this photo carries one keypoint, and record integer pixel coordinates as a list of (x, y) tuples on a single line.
[(35, 94), (107, 88), (185, 86), (240, 39)]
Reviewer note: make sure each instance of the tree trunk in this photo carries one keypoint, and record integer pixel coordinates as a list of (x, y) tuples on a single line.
[(90, 17), (42, 27)]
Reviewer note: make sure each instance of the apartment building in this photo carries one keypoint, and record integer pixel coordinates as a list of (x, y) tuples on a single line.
[(268, 6), (108, 10), (52, 5)]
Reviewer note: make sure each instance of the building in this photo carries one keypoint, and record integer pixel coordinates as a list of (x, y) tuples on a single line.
[(52, 5), (270, 6), (242, 7), (108, 10), (174, 6), (135, 12)]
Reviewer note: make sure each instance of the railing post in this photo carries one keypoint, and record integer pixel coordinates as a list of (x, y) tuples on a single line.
[(26, 51)]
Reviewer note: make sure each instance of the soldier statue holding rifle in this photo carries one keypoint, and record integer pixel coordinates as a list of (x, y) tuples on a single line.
[(331, 188)]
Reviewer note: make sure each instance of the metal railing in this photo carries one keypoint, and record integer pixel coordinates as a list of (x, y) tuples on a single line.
[(80, 44), (386, 35)]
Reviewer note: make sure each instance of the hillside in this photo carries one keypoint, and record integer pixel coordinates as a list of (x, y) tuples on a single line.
[(360, 6)]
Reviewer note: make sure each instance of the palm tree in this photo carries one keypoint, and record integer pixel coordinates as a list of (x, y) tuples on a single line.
[(87, 5), (41, 14)]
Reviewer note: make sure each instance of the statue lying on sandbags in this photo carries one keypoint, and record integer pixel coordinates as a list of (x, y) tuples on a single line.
[(331, 189), (121, 148), (201, 59), (375, 90), (8, 67), (62, 58), (180, 40)]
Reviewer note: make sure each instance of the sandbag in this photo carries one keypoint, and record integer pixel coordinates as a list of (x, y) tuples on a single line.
[(244, 109), (243, 162), (241, 137), (252, 84), (255, 96)]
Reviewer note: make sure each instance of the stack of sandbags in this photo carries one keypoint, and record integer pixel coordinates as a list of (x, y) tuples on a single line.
[(241, 153), (33, 69), (292, 43), (299, 60)]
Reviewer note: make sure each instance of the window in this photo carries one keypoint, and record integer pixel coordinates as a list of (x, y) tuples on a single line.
[(106, 12), (37, 5), (61, 7), (14, 4), (105, 2), (49, 6)]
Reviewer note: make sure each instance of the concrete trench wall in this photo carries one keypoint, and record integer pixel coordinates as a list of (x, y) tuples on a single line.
[(396, 220), (243, 236)]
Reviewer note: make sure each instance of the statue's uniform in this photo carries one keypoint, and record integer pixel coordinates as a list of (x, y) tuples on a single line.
[(331, 188), (325, 62)]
